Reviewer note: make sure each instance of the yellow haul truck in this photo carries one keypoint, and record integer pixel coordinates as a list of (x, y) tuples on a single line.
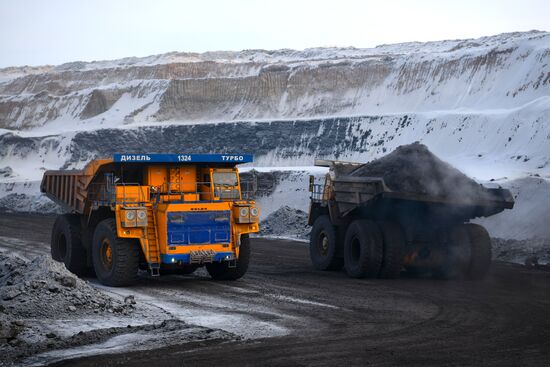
[(156, 212)]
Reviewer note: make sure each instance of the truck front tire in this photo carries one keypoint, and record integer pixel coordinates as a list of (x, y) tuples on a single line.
[(222, 271), (66, 244), (116, 260), (363, 249), (323, 245)]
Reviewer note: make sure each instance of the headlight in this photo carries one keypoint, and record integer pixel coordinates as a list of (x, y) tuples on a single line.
[(241, 214), (141, 214), (130, 214), (254, 212)]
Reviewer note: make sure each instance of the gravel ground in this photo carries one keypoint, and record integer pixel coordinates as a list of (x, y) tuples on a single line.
[(331, 319), (284, 313)]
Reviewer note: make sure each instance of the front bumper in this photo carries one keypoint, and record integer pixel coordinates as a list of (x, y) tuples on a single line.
[(187, 258)]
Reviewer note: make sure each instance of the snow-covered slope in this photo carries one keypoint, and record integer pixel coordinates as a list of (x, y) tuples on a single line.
[(483, 105), (500, 72)]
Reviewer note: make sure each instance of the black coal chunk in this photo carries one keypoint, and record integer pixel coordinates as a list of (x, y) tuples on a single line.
[(414, 169)]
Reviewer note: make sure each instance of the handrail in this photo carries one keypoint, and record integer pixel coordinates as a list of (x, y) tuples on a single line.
[(105, 193)]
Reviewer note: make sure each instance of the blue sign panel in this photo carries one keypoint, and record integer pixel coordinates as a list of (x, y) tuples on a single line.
[(184, 158)]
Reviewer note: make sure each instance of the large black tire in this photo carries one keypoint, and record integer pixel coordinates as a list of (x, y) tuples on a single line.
[(393, 251), (456, 255), (481, 253), (58, 243), (66, 244), (116, 260), (222, 271), (323, 245), (363, 249)]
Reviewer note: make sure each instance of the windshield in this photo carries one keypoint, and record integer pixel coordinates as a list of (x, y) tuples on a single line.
[(225, 178)]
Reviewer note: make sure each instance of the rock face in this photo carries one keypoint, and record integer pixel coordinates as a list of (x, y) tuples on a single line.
[(100, 101), (300, 102), (252, 85)]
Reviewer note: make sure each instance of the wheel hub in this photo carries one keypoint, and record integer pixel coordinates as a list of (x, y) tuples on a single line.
[(106, 253), (323, 244)]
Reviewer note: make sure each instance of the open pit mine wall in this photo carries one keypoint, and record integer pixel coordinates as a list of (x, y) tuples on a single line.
[(499, 72), (520, 139), (481, 103)]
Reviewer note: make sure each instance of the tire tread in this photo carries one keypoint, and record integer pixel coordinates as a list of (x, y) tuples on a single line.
[(125, 257), (393, 250), (332, 262), (370, 267)]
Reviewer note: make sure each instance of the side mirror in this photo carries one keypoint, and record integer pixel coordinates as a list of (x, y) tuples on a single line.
[(311, 182)]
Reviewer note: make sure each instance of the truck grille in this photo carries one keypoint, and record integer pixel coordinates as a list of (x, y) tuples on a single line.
[(198, 228)]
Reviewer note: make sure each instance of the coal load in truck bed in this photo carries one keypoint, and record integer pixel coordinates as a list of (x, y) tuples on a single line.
[(414, 169)]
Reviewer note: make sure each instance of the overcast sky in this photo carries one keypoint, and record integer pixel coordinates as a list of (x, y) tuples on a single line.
[(36, 32)]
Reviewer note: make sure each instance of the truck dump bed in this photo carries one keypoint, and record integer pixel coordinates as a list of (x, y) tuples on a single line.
[(69, 188), (61, 187), (410, 178), (351, 192)]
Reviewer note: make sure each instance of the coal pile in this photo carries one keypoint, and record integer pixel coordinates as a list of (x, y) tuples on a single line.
[(286, 222), (414, 169), (44, 309), (44, 288), (40, 292)]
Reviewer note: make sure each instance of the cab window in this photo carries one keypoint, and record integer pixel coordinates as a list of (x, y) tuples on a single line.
[(225, 178)]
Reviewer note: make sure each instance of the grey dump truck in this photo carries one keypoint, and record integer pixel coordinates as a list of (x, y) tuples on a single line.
[(373, 231)]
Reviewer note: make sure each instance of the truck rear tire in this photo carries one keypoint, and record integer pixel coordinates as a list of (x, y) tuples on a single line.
[(66, 244), (363, 249), (323, 245), (116, 260), (457, 255), (222, 271), (481, 252), (393, 250)]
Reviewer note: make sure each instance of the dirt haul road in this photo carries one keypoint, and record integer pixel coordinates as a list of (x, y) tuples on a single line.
[(284, 313)]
